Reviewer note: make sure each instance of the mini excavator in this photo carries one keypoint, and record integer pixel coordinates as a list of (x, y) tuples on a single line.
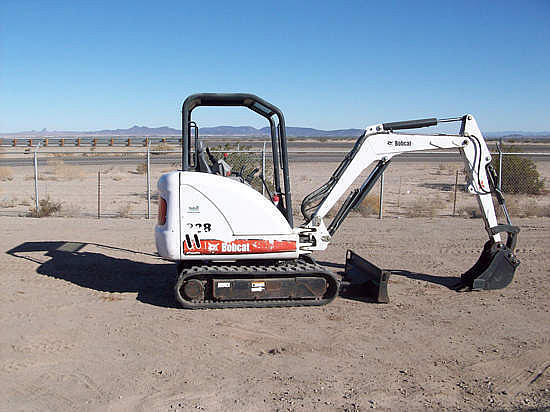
[(235, 247)]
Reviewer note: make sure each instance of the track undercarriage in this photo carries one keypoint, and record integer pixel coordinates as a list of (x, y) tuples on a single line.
[(212, 285)]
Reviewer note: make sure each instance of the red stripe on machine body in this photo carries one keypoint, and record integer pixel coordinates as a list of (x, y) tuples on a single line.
[(240, 246)]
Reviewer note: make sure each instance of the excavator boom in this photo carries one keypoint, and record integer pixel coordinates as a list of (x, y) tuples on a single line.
[(380, 143)]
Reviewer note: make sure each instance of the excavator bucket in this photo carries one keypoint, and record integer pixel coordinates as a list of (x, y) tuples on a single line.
[(363, 279), (496, 266)]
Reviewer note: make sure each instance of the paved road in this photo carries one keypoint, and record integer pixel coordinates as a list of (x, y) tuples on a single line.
[(27, 160)]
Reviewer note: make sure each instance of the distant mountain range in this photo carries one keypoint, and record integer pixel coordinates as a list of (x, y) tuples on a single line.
[(245, 131)]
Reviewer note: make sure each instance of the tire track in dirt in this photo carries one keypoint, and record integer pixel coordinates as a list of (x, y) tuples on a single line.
[(515, 375)]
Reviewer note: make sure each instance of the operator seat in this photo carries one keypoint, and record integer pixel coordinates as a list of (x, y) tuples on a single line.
[(202, 164)]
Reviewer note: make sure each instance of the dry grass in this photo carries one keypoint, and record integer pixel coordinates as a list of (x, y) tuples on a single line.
[(522, 206), (517, 205), (162, 147), (59, 170), (71, 210), (425, 207), (471, 212), (6, 174), (115, 173), (124, 210), (446, 169), (7, 203), (110, 298), (48, 207), (369, 206), (141, 169)]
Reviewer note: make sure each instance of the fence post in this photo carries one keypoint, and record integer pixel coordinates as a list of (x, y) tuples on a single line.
[(381, 196), (454, 198), (148, 182), (499, 165), (263, 168), (99, 193), (37, 203)]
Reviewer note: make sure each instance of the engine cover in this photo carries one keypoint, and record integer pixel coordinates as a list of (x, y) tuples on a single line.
[(213, 217)]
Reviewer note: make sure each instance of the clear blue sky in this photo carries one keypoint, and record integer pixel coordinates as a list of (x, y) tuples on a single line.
[(75, 65)]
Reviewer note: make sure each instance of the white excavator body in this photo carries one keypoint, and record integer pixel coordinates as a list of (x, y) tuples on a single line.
[(220, 219), (235, 247)]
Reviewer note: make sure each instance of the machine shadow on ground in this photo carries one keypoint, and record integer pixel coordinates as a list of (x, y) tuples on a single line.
[(447, 281), (153, 283), (360, 293)]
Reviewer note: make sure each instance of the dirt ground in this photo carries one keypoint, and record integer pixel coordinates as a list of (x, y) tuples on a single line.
[(96, 327)]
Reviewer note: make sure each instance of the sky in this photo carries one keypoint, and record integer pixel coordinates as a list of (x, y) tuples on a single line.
[(83, 65)]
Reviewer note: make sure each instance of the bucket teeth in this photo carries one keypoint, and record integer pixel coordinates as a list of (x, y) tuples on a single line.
[(494, 269)]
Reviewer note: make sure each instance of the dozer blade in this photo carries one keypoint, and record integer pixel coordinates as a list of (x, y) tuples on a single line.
[(496, 266), (365, 279)]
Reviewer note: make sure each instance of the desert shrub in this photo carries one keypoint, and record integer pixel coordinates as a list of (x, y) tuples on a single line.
[(472, 212), (6, 174), (124, 210), (8, 202), (519, 174), (369, 206), (47, 207), (141, 169)]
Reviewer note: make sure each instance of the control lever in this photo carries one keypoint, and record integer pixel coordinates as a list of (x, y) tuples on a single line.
[(265, 185), (213, 160), (251, 175)]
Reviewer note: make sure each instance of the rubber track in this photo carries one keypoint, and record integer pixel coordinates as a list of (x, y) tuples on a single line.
[(296, 268)]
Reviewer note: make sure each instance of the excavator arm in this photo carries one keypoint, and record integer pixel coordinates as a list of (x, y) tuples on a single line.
[(380, 143)]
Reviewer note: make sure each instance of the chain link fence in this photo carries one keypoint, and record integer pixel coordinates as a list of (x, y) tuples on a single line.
[(112, 182), (102, 184)]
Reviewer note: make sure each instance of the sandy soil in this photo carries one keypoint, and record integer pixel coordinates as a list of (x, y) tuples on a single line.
[(98, 329)]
